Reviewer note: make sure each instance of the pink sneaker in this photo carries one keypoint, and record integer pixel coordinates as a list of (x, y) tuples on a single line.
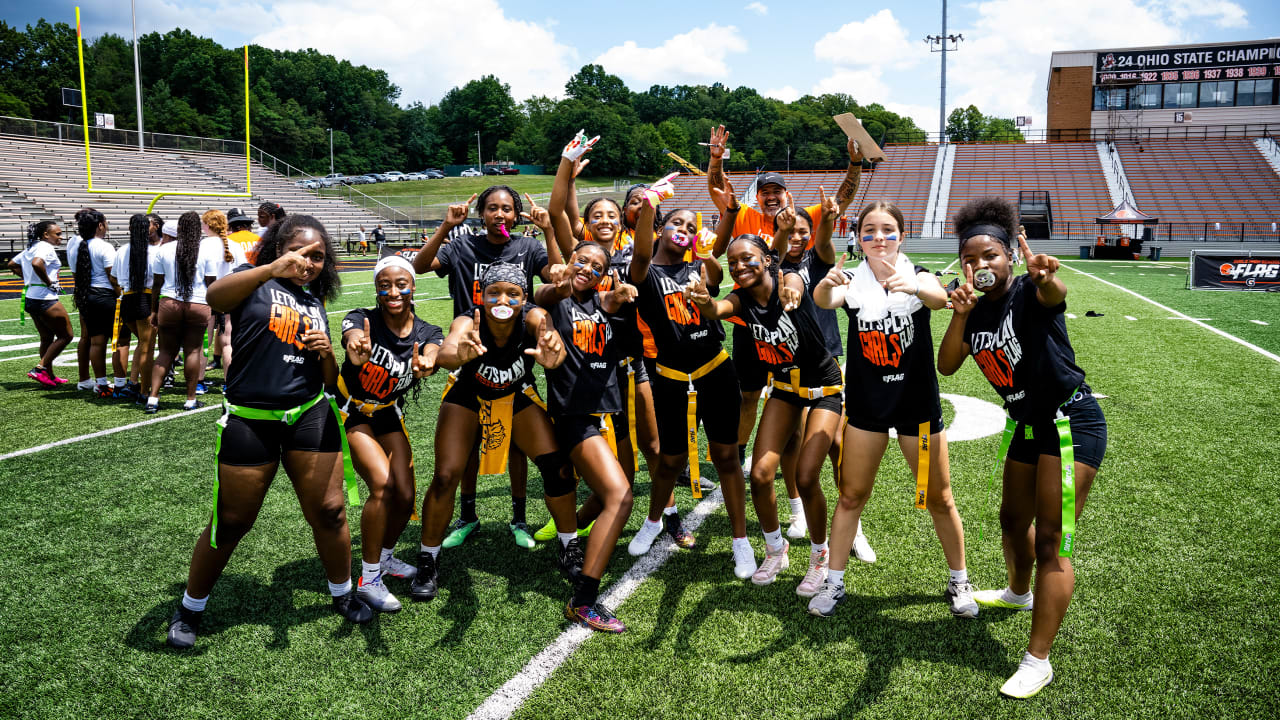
[(816, 575), (42, 376), (774, 563)]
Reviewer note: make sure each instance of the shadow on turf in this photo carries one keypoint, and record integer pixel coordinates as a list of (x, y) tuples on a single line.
[(244, 600)]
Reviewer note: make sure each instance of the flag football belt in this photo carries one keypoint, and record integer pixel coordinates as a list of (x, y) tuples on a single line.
[(496, 426), (368, 409), (22, 302), (115, 328), (794, 387), (631, 414), (1067, 453), (288, 417), (691, 416)]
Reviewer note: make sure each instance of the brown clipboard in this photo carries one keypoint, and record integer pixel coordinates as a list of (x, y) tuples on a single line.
[(853, 129)]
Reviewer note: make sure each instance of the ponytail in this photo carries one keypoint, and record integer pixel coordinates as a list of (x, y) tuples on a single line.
[(87, 224), (186, 253), (36, 231), (139, 241), (217, 222)]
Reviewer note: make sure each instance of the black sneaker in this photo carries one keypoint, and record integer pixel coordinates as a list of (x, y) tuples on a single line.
[(352, 608), (168, 379), (183, 627), (215, 363), (676, 529), (426, 583), (571, 559)]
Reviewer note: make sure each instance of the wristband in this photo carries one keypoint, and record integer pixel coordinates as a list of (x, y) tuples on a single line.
[(733, 210)]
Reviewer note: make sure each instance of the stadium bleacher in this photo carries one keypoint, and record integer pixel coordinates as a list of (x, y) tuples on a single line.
[(1070, 172), (1227, 180)]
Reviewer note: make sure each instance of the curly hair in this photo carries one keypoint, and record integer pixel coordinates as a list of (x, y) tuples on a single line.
[(987, 211), (217, 222), (87, 223), (327, 283), (36, 231), (187, 252), (484, 197)]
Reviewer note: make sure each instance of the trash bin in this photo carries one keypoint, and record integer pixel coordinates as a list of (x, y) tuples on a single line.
[(1084, 252), (1155, 252)]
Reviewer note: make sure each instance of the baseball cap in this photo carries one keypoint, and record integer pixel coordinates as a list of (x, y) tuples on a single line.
[(771, 178)]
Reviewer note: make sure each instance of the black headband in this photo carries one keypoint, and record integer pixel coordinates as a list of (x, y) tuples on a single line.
[(994, 231), (504, 272)]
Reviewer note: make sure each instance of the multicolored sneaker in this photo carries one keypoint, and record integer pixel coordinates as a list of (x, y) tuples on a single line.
[(458, 532), (104, 392), (1003, 599), (583, 532), (959, 598), (815, 576), (774, 563), (397, 568), (597, 617), (376, 595), (824, 604), (201, 388), (676, 529), (522, 535), (546, 532)]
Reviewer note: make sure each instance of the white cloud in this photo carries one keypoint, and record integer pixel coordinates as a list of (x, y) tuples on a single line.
[(691, 57), (864, 84), (878, 41), (758, 8), (1223, 13), (428, 48), (786, 93)]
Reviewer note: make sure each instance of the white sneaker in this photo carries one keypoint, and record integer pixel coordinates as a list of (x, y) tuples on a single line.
[(644, 538), (828, 598), (377, 596), (397, 568), (960, 598), (744, 560), (87, 385), (816, 575), (746, 469), (774, 563), (861, 548), (799, 528), (1032, 676), (1003, 599)]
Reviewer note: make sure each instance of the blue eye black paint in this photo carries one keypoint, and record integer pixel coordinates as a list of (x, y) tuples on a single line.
[(403, 291)]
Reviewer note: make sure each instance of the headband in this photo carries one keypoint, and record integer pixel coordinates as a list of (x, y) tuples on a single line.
[(994, 231), (392, 261), (505, 272)]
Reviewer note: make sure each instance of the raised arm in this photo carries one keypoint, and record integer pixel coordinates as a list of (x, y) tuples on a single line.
[(226, 294), (642, 253), (823, 246), (830, 290), (425, 260), (784, 223), (728, 216), (852, 176), (953, 349), (560, 197), (1043, 269), (539, 216), (715, 166)]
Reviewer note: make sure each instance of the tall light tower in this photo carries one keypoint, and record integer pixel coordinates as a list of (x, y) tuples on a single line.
[(942, 43), (137, 74)]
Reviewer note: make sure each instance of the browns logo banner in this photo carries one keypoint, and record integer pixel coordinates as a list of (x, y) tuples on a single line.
[(1234, 271)]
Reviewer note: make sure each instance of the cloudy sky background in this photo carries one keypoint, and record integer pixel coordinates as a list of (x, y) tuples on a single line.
[(872, 52)]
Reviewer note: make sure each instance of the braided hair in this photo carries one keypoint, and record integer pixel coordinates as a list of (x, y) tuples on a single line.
[(515, 198), (186, 253), (156, 221), (217, 222), (87, 223), (327, 283), (139, 242), (36, 231)]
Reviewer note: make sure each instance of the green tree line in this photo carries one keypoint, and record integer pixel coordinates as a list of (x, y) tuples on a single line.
[(194, 86)]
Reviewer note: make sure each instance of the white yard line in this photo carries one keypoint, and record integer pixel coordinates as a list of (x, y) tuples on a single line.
[(110, 431), (1130, 317), (953, 262), (508, 698), (1259, 322), (1166, 308)]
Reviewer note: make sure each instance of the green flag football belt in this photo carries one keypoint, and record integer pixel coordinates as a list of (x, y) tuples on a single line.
[(288, 417), (22, 302), (1066, 450)]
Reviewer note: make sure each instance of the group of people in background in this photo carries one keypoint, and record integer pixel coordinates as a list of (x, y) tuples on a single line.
[(621, 306)]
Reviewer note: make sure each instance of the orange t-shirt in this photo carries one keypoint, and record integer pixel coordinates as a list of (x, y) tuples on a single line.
[(247, 241), (751, 220)]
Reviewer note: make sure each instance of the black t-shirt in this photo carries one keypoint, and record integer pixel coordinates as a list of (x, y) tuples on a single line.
[(465, 259), (378, 235), (388, 373), (1022, 348), (272, 369), (811, 270), (626, 326), (786, 340), (686, 341), (587, 381), (503, 369), (890, 378)]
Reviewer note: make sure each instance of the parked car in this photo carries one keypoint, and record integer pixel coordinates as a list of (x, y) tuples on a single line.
[(413, 176), (471, 172), (370, 179), (509, 170), (432, 174), (332, 179), (309, 184), (492, 171), (395, 175)]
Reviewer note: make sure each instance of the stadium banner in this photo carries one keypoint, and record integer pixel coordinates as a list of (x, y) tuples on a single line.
[(1210, 62), (408, 252), (1218, 270)]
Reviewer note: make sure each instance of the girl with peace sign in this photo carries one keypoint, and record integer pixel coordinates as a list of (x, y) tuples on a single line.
[(492, 402), (389, 349), (276, 411), (463, 260), (890, 383), (1055, 436)]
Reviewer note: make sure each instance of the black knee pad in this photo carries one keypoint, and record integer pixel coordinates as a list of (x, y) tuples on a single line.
[(557, 476)]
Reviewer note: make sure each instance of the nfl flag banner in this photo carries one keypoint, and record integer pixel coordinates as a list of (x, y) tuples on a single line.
[(1218, 270)]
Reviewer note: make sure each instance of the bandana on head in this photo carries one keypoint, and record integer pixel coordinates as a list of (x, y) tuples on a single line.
[(392, 261), (504, 272)]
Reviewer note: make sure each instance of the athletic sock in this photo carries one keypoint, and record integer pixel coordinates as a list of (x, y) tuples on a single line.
[(193, 604), (468, 512), (818, 547), (835, 577), (672, 510), (1010, 596), (959, 576), (742, 454), (773, 540), (586, 591), (797, 509), (433, 549), (517, 509), (153, 400), (340, 589), (566, 537), (121, 382), (1033, 661), (101, 381), (386, 555), (189, 404), (369, 571)]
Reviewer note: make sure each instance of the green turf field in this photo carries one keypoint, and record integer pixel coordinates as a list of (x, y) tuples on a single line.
[(1175, 613)]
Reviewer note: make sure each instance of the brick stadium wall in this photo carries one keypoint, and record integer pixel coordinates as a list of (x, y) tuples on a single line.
[(1070, 97)]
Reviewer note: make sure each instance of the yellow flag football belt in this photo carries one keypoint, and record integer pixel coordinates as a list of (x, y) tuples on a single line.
[(691, 415)]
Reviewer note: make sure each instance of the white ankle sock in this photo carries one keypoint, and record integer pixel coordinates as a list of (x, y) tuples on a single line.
[(193, 604), (959, 576), (773, 540), (741, 543), (153, 400), (835, 577), (101, 381), (652, 526), (1036, 662), (817, 547), (369, 571), (120, 382), (433, 549), (340, 589), (386, 555), (565, 538), (189, 404), (797, 509), (670, 510), (1011, 596)]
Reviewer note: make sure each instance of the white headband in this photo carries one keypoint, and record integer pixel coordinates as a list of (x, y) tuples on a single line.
[(392, 261)]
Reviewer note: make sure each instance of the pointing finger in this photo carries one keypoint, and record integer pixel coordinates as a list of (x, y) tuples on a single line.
[(415, 350), (532, 202), (366, 327), (844, 257), (968, 274), (475, 319), (1026, 250), (791, 202), (473, 199)]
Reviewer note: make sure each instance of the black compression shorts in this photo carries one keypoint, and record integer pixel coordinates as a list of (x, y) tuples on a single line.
[(1088, 434), (719, 401), (259, 442)]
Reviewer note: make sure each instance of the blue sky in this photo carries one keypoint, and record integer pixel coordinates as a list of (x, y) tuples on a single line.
[(871, 50)]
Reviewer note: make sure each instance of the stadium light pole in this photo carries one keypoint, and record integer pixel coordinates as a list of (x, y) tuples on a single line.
[(137, 73), (330, 151), (938, 43), (479, 160)]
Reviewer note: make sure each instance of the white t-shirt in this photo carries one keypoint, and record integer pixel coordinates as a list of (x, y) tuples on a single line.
[(36, 289), (211, 261), (102, 255), (165, 263), (121, 270)]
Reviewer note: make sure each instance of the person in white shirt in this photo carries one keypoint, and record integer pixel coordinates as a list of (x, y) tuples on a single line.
[(181, 270), (95, 296), (224, 258), (132, 274), (38, 266)]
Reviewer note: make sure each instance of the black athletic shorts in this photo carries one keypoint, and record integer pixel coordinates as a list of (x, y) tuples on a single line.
[(260, 442), (831, 377), (753, 375), (99, 312), (719, 400), (381, 422), (1088, 434), (135, 308), (36, 307), (904, 429), (459, 394), (573, 430)]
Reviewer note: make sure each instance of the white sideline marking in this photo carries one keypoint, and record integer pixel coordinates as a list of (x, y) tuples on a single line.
[(507, 699), (15, 337), (953, 262), (20, 357), (1071, 316), (22, 346), (1227, 335), (1130, 317), (1175, 317), (1259, 322), (109, 431)]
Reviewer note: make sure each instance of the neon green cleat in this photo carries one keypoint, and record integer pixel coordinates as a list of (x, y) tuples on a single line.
[(521, 533), (586, 530), (1002, 599), (458, 532), (546, 532)]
